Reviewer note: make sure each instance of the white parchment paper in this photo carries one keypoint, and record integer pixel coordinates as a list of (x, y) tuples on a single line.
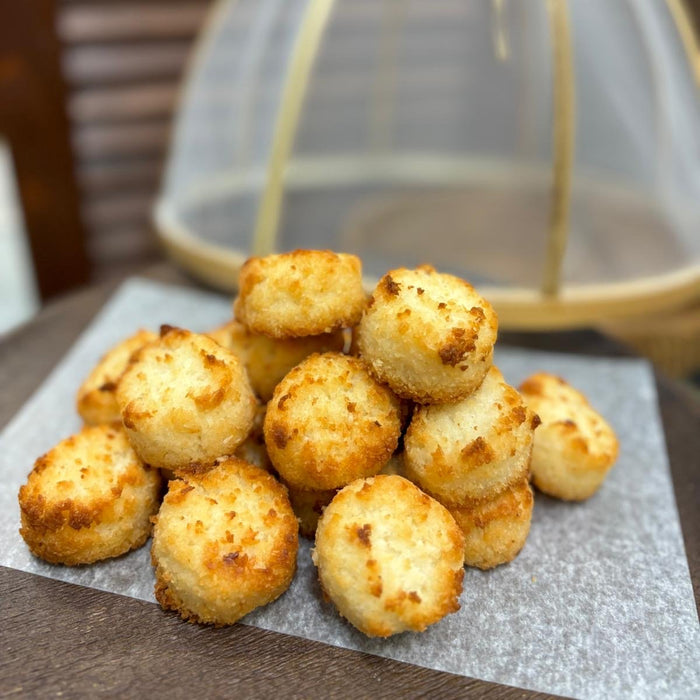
[(598, 604)]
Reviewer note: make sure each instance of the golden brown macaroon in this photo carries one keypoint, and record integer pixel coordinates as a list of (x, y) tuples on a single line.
[(428, 335), (329, 422), (224, 543), (389, 556), (305, 292), (574, 447), (89, 498), (185, 401), (472, 449), (96, 401), (266, 359), (495, 530)]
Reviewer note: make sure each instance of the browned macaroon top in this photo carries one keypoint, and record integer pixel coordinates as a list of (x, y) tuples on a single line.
[(185, 401), (329, 422), (96, 399), (472, 449), (389, 556), (574, 447), (429, 335), (88, 498), (300, 293), (267, 359), (559, 404), (224, 543), (496, 529), (77, 480)]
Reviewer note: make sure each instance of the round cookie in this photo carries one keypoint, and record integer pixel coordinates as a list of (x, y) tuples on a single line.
[(304, 292), (266, 359), (96, 400), (473, 449), (224, 543), (330, 422), (89, 498), (389, 556), (185, 401), (574, 447), (495, 530), (429, 336)]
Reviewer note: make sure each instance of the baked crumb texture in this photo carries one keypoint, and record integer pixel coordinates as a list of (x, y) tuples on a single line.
[(301, 293), (474, 457), (428, 335), (184, 401), (473, 449), (330, 422), (389, 556), (89, 498), (405, 459), (266, 359), (574, 447), (495, 529), (96, 401), (224, 543)]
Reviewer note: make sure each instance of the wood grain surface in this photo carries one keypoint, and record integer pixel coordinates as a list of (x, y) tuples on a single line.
[(59, 639)]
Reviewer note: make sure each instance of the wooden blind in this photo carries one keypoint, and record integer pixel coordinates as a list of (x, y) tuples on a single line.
[(122, 61)]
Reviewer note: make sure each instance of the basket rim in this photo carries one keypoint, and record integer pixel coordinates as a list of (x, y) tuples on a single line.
[(517, 308)]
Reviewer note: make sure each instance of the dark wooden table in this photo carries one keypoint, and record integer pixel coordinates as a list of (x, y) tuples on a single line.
[(60, 639)]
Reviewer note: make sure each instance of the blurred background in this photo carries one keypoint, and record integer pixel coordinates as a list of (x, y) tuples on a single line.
[(88, 95)]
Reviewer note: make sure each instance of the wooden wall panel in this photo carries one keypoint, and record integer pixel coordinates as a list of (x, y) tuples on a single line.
[(101, 178), (123, 104), (123, 62), (88, 22)]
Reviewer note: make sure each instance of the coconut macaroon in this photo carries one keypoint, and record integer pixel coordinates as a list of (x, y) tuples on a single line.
[(495, 530), (89, 498), (224, 543), (301, 293), (266, 359), (330, 422), (574, 447), (96, 401), (429, 336), (389, 556), (473, 449), (185, 401)]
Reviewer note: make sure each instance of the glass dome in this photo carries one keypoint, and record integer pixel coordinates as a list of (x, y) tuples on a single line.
[(547, 151)]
